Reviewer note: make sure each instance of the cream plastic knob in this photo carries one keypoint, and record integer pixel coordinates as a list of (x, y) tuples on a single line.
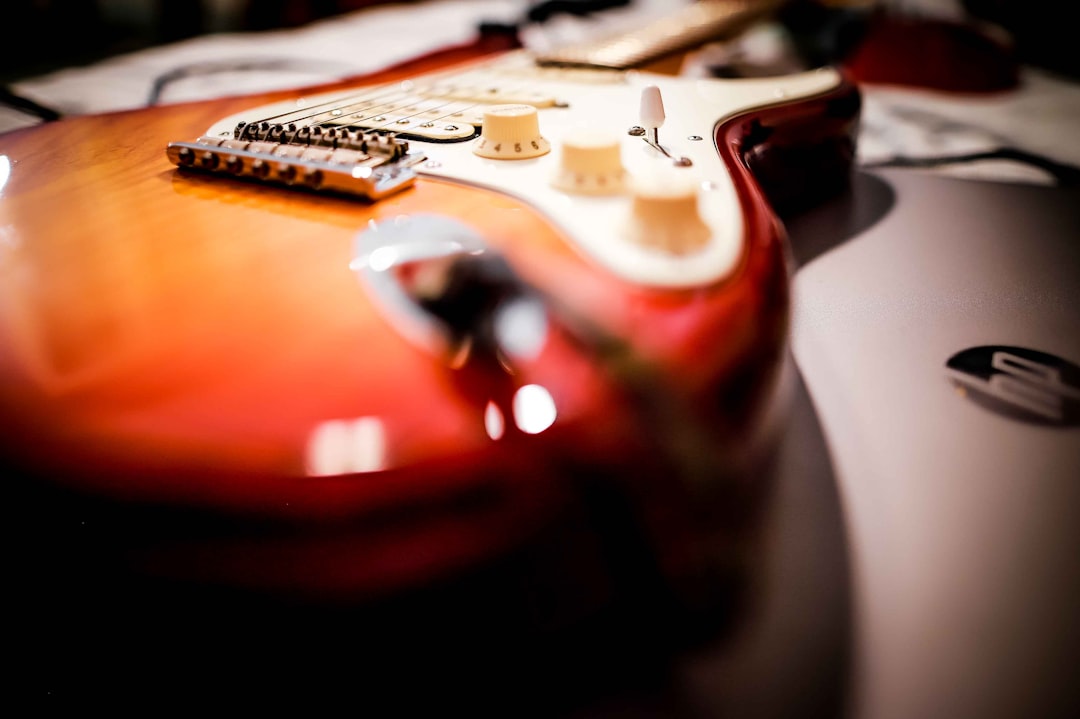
[(511, 132), (664, 213), (590, 164)]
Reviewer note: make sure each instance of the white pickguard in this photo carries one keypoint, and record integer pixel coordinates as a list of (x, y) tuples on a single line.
[(609, 101)]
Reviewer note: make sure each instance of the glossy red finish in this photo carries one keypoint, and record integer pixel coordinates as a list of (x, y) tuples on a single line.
[(175, 346)]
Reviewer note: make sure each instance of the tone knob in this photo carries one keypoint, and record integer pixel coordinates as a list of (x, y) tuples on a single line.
[(664, 213), (511, 132), (590, 164)]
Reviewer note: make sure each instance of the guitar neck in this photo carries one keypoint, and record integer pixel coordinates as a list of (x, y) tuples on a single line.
[(690, 27)]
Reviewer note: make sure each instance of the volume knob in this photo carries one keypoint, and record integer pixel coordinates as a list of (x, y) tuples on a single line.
[(591, 164), (511, 132), (664, 213)]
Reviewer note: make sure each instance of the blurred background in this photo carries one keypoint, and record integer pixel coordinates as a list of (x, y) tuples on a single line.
[(54, 34), (59, 33), (979, 88)]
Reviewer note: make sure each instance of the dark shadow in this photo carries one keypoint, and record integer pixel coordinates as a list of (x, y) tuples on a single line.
[(816, 231), (792, 652), (791, 655)]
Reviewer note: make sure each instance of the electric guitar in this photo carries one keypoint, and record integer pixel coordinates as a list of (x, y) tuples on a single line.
[(486, 319)]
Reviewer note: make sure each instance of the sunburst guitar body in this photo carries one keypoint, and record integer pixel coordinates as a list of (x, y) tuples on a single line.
[(477, 344)]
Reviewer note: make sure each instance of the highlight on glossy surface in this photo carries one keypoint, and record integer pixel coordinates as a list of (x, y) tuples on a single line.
[(422, 241), (534, 409), (345, 446)]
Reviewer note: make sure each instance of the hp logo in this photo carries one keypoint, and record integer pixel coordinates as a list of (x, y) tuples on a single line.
[(1020, 383)]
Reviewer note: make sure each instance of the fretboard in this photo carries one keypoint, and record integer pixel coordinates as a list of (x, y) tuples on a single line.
[(691, 26)]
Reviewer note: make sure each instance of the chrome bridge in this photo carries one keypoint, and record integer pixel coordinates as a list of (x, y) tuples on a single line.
[(369, 165)]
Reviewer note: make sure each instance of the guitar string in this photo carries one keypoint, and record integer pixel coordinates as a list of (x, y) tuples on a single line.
[(403, 98), (407, 96), (449, 95), (333, 103), (482, 70), (392, 87), (371, 92), (336, 111), (408, 100), (451, 100), (398, 101), (455, 111)]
